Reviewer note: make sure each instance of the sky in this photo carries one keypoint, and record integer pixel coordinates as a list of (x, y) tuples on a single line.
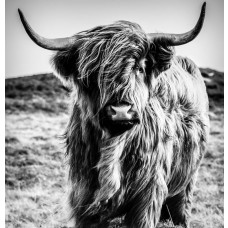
[(58, 18)]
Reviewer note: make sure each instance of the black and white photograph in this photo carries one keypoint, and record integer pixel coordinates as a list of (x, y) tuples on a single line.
[(114, 114)]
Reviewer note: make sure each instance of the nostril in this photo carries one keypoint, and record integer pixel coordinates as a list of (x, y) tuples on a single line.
[(110, 111)]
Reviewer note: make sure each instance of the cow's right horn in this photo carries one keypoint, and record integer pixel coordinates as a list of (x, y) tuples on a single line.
[(58, 44)]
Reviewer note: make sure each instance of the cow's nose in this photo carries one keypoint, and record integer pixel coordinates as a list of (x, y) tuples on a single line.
[(121, 112), (119, 118)]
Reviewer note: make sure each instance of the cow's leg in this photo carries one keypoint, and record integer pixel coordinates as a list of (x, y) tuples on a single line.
[(178, 207), (79, 199), (90, 221), (144, 210)]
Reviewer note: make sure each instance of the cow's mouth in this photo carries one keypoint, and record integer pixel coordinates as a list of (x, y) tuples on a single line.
[(119, 127)]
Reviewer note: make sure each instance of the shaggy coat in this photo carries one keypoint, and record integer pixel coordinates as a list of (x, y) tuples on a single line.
[(147, 173)]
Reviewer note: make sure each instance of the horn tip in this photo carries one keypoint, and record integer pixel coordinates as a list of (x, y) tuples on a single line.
[(204, 6), (20, 13), (203, 10)]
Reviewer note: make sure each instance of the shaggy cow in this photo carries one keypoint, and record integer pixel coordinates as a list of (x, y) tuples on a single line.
[(138, 125)]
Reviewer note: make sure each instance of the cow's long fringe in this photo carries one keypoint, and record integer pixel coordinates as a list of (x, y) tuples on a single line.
[(109, 53)]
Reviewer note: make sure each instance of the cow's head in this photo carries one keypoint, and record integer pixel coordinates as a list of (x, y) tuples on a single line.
[(112, 68)]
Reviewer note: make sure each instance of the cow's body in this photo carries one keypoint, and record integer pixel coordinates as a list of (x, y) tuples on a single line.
[(154, 170), (138, 125)]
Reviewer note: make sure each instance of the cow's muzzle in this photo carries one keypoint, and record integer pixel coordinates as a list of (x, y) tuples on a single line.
[(118, 118)]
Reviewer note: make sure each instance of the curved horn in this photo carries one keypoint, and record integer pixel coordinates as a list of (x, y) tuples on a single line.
[(58, 44), (179, 39)]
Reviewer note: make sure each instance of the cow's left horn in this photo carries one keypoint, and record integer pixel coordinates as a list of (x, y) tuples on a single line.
[(179, 39), (58, 44)]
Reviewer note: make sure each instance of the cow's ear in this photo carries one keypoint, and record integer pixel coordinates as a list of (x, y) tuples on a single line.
[(64, 63), (162, 56)]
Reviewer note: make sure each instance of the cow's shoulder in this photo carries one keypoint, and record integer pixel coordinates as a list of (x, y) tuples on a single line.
[(188, 65)]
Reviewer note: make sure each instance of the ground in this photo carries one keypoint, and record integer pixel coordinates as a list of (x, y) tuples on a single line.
[(36, 167)]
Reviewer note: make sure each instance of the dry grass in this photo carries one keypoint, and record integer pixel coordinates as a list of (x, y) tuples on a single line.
[(36, 168)]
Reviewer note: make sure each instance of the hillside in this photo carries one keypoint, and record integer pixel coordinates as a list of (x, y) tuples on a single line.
[(37, 92)]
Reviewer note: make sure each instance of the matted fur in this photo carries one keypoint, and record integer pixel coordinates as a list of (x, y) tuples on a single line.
[(152, 166)]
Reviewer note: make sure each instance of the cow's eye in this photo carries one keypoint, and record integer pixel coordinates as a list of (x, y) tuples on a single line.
[(139, 69)]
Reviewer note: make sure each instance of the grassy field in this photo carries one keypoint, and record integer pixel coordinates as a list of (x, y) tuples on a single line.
[(35, 165)]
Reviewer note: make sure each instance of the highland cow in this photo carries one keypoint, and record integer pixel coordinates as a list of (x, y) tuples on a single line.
[(138, 126)]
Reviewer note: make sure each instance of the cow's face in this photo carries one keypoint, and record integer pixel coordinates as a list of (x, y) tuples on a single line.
[(124, 96), (113, 72)]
